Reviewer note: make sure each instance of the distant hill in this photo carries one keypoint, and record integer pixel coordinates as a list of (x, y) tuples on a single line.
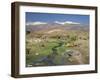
[(49, 26)]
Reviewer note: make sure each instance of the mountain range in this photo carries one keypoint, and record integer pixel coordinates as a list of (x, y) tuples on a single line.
[(67, 25)]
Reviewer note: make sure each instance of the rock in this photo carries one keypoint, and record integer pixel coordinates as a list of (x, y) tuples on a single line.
[(74, 56), (36, 53)]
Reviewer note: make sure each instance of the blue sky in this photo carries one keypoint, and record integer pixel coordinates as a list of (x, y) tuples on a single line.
[(50, 18)]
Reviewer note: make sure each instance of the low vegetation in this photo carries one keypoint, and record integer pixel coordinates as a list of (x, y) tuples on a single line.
[(57, 47)]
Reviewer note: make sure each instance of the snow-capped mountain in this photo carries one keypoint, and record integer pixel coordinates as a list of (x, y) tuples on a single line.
[(67, 25), (66, 22), (35, 23)]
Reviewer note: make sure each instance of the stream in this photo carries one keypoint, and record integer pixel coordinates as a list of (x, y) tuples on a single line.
[(50, 58)]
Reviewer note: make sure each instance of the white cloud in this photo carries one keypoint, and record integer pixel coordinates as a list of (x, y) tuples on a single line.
[(35, 23), (66, 22)]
